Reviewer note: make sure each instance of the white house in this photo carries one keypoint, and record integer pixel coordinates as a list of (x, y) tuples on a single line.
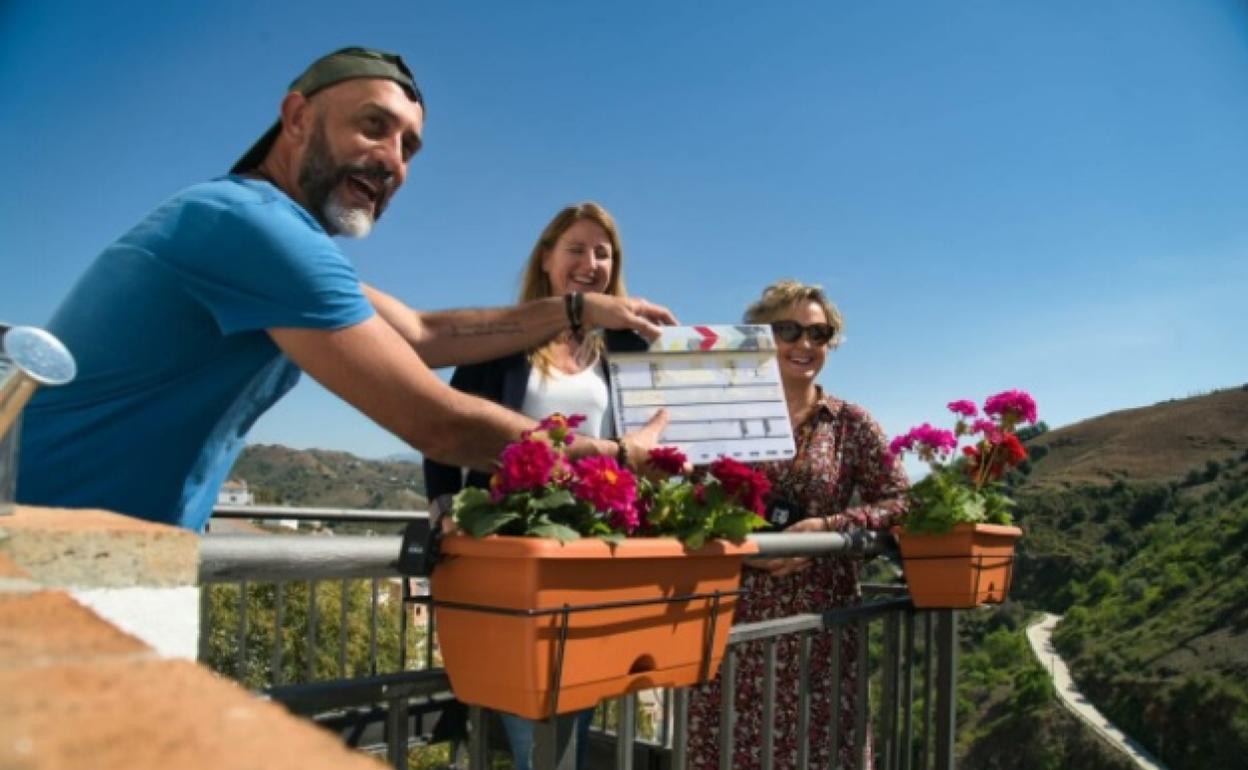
[(235, 493)]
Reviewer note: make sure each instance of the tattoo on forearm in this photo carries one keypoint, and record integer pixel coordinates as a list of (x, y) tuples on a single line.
[(485, 329)]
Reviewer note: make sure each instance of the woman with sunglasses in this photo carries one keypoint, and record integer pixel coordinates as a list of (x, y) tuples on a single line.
[(842, 478), (578, 251)]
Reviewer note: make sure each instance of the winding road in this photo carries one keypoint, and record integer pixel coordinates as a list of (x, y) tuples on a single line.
[(1039, 636)]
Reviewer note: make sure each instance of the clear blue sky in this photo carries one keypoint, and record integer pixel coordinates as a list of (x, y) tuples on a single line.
[(1051, 196)]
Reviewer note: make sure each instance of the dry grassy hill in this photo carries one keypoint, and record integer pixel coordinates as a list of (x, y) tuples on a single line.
[(1159, 443)]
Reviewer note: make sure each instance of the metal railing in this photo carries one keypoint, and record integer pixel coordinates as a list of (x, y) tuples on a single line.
[(378, 685)]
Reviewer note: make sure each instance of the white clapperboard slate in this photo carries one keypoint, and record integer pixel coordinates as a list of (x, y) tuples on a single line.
[(720, 385)]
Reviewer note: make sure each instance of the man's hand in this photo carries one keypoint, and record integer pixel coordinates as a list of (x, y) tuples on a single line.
[(608, 312), (637, 445)]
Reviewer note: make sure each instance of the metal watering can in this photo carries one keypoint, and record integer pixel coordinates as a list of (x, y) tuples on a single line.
[(29, 358)]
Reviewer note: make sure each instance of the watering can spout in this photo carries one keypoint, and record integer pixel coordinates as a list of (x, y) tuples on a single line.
[(30, 358)]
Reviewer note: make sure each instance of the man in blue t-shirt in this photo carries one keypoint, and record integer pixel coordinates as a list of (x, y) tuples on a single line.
[(196, 321)]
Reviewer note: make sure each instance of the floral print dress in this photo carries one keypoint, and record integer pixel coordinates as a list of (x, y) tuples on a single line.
[(842, 466)]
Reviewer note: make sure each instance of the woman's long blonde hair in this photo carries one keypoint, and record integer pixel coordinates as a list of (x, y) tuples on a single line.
[(535, 284)]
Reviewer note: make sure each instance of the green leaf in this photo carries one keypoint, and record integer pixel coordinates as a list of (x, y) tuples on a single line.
[(480, 522), (694, 540), (561, 498), (560, 532)]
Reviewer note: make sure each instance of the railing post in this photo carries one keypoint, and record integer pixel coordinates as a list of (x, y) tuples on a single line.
[(906, 754), (888, 695), (727, 707), (769, 706), (803, 703), (396, 733), (625, 731), (946, 682), (680, 729), (929, 644), (242, 631), (279, 621), (478, 739), (554, 743)]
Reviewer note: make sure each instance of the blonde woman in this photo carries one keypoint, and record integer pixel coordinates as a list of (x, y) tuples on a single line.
[(842, 478), (578, 252)]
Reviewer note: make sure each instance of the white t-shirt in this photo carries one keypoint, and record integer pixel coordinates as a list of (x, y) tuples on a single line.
[(582, 393)]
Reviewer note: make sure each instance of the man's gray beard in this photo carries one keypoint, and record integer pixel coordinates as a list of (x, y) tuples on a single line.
[(353, 223), (319, 178)]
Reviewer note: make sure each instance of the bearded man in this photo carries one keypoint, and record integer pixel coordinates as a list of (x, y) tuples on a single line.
[(191, 325)]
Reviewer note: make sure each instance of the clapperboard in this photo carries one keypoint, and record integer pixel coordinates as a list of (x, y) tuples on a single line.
[(719, 384)]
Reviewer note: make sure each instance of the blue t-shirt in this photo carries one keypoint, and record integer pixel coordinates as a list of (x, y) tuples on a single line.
[(174, 365)]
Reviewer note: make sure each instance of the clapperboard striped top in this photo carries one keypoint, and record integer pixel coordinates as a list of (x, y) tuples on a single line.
[(720, 386)]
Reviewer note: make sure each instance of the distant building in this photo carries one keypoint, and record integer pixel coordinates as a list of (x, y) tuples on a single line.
[(235, 493), (392, 593)]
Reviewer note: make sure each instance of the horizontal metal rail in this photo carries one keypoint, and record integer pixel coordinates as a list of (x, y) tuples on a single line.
[(232, 557), (280, 512)]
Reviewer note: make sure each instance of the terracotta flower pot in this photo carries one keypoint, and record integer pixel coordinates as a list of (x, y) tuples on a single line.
[(968, 566), (499, 654)]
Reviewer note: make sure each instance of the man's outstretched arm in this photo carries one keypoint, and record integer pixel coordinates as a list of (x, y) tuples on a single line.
[(456, 337), (370, 366)]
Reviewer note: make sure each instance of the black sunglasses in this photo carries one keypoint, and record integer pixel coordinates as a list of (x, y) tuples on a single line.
[(792, 331)]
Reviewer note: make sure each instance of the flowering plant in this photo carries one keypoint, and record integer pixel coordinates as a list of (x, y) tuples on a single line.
[(963, 486), (537, 491)]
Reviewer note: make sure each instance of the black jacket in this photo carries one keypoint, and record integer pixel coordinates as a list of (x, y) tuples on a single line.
[(502, 381)]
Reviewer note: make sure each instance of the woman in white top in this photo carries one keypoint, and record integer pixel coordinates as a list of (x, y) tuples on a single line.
[(578, 252)]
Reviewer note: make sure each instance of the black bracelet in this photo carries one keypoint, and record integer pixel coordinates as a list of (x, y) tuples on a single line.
[(574, 304), (621, 454)]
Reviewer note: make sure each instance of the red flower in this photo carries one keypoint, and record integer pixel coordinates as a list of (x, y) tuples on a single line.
[(972, 460), (1015, 452), (610, 489), (523, 465), (668, 459), (742, 483)]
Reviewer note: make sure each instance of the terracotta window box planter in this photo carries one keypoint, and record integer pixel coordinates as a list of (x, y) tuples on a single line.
[(966, 567), (535, 628)]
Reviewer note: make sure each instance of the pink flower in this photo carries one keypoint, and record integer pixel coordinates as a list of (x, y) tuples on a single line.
[(559, 427), (742, 483), (1014, 405), (523, 465), (988, 428), (963, 407), (668, 459), (924, 437), (610, 489)]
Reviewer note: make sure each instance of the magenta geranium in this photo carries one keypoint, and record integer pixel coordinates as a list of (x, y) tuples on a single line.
[(1013, 407), (963, 488), (536, 491), (964, 408), (925, 440)]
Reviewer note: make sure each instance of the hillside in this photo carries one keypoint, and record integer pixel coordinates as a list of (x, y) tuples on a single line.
[(1137, 530), (319, 477), (1159, 443)]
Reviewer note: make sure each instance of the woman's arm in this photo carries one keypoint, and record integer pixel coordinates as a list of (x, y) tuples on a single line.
[(878, 477)]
